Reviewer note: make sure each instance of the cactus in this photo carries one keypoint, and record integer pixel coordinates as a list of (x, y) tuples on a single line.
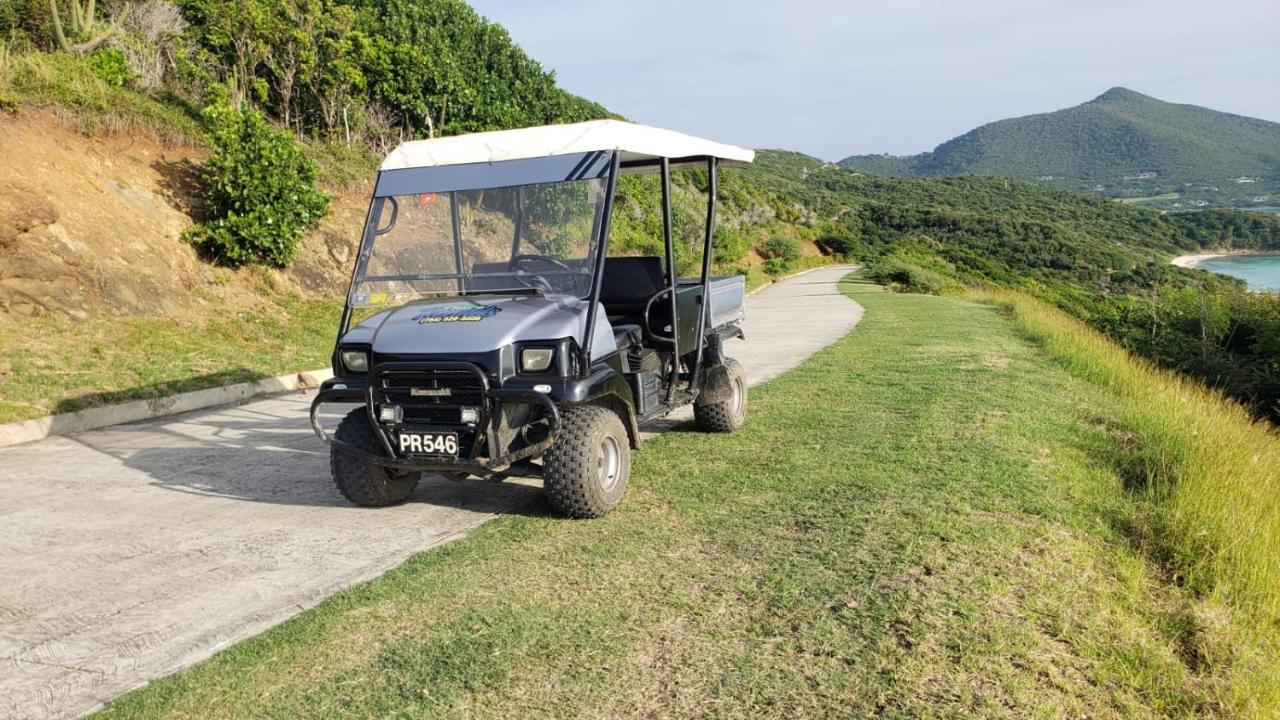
[(83, 19)]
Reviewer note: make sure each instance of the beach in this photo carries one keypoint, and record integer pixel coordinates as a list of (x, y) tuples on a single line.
[(1194, 259)]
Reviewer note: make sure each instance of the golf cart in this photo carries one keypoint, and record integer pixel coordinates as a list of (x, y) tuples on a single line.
[(488, 332)]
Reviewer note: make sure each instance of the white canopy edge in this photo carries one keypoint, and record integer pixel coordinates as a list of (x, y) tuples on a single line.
[(635, 142)]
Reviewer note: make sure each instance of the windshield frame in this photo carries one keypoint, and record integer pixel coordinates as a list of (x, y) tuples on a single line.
[(454, 179)]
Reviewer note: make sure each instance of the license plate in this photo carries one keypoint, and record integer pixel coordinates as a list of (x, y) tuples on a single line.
[(415, 443)]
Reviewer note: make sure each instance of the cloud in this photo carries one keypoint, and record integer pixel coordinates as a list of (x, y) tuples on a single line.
[(835, 78)]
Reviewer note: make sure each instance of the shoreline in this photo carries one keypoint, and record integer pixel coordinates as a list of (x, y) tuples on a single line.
[(1194, 259)]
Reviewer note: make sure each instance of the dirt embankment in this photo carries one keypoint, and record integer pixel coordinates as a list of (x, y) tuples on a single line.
[(93, 224)]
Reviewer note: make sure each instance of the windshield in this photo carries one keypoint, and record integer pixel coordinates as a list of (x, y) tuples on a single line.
[(529, 238)]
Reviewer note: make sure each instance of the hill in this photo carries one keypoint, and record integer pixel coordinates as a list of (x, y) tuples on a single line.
[(1121, 144)]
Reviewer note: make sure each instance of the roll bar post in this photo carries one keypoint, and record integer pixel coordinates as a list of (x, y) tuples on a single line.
[(704, 302), (597, 277), (673, 281)]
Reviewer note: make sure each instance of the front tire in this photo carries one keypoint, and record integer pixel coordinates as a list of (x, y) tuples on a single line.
[(729, 414), (586, 471), (359, 479)]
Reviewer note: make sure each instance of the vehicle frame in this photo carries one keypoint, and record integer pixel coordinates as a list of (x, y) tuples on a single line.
[(585, 371)]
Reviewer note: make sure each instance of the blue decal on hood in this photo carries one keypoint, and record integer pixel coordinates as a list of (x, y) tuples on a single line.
[(458, 312)]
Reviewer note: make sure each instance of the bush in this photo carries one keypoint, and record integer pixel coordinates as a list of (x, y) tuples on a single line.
[(730, 245), (109, 66), (775, 267), (782, 248), (843, 246), (260, 194), (905, 276)]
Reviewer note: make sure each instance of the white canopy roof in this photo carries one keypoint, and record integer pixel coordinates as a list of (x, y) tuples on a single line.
[(636, 142)]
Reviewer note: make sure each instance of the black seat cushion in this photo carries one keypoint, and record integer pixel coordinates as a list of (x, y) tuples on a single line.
[(628, 336)]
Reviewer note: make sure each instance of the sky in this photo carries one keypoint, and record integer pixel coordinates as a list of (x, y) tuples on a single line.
[(834, 78)]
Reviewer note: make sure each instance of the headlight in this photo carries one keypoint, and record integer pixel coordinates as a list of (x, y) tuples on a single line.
[(536, 360), (355, 360)]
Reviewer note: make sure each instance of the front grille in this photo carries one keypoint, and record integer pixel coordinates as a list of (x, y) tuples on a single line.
[(430, 397), (436, 388)]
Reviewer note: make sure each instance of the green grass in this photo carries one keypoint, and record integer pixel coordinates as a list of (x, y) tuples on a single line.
[(924, 520), (55, 364), (65, 81), (1210, 477)]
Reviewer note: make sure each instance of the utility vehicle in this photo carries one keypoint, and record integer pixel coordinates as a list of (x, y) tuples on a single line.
[(488, 331)]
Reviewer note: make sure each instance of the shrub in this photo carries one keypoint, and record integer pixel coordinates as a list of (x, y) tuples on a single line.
[(904, 276), (844, 246), (260, 191), (782, 248), (776, 266), (109, 66), (730, 245)]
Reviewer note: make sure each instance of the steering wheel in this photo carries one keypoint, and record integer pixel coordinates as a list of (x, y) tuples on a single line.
[(532, 278)]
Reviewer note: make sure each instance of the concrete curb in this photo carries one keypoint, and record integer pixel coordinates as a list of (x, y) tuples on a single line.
[(26, 431)]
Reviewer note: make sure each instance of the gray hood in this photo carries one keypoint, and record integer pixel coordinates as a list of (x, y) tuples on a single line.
[(479, 324)]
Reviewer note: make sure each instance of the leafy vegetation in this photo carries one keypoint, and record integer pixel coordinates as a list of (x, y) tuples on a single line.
[(260, 192), (1121, 144), (974, 556)]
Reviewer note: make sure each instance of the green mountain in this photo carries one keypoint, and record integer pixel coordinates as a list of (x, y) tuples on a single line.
[(1120, 144)]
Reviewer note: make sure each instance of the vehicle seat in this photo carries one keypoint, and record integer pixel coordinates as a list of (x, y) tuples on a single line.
[(627, 336), (627, 285)]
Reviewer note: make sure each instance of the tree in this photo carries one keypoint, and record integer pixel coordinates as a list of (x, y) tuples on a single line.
[(337, 72)]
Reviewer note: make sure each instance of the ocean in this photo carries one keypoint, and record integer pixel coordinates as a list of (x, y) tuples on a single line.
[(1262, 272)]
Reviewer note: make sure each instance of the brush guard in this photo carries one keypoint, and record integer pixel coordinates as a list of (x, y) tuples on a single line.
[(486, 458)]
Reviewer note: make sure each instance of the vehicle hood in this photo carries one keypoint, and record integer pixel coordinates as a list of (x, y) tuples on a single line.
[(479, 324)]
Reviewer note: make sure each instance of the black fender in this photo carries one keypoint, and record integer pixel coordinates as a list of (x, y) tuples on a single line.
[(606, 387), (715, 385)]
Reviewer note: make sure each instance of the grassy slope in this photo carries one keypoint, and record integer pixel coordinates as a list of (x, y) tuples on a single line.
[(54, 364), (922, 520)]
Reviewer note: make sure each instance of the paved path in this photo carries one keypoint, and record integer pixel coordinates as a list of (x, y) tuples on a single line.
[(130, 552)]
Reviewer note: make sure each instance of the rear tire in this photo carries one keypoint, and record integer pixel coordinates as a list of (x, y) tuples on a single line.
[(729, 414), (359, 479), (586, 471)]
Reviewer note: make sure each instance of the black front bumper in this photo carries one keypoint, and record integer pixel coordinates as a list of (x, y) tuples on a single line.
[(481, 457)]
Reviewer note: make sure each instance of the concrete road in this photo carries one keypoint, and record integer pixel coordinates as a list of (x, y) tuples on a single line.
[(130, 552)]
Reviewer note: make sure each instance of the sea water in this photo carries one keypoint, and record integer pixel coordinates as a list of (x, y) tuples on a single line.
[(1262, 272)]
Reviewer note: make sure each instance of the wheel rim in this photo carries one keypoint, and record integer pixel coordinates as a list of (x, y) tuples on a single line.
[(739, 397), (609, 467)]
